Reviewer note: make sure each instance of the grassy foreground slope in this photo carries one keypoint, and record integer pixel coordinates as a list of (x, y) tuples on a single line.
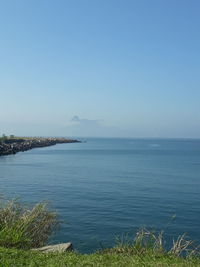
[(23, 228), (14, 257)]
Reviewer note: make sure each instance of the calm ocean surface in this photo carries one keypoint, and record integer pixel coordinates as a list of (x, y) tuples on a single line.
[(108, 187)]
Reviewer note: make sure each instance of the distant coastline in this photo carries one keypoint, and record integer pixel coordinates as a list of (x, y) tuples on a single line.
[(19, 144)]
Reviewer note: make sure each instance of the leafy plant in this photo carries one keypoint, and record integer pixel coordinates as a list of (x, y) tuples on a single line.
[(22, 227)]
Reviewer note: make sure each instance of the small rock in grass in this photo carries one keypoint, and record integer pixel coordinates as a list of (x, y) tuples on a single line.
[(64, 247)]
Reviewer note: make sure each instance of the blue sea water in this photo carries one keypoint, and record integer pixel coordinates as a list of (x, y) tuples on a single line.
[(110, 187)]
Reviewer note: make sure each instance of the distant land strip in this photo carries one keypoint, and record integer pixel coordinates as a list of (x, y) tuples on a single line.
[(19, 144)]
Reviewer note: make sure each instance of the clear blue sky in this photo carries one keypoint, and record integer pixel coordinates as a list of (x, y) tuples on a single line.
[(127, 68)]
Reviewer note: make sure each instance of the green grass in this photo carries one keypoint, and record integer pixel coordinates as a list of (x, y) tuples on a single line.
[(14, 257), (145, 250), (24, 227)]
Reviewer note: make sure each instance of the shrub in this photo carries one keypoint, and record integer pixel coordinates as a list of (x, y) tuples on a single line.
[(149, 242), (22, 227)]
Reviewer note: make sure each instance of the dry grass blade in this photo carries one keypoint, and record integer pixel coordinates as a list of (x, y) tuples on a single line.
[(149, 239), (181, 245)]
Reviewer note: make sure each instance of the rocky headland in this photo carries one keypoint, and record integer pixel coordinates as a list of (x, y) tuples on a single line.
[(14, 145)]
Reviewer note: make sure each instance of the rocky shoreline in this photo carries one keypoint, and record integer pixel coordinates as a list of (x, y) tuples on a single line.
[(14, 145)]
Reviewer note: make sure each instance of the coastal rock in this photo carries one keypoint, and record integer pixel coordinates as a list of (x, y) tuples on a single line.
[(64, 247), (12, 146)]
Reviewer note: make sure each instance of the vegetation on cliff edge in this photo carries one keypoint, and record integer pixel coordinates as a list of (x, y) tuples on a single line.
[(22, 228)]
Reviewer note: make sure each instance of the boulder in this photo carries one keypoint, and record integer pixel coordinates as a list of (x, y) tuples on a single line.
[(64, 247)]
